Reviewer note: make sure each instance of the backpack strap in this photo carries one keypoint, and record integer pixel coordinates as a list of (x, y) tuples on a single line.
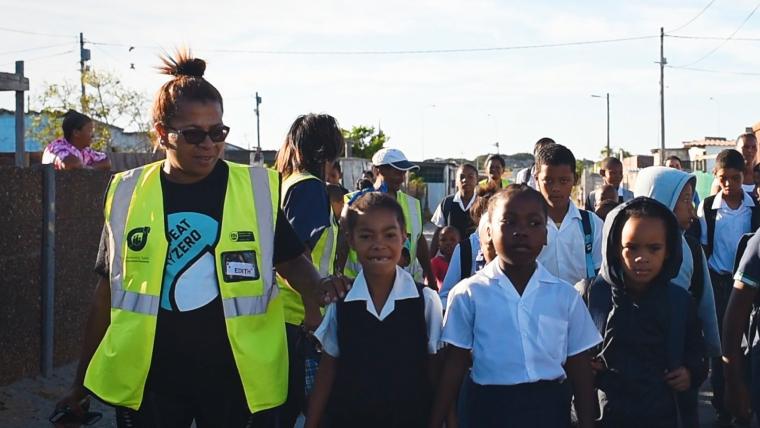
[(465, 258), (710, 215), (587, 227), (697, 286)]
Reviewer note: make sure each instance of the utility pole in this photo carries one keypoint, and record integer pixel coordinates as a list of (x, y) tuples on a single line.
[(258, 130), (663, 61), (84, 56), (608, 123)]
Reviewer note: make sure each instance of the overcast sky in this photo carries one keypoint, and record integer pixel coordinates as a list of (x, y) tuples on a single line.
[(431, 104)]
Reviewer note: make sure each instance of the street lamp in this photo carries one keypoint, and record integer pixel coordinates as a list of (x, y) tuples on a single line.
[(607, 96), (496, 131)]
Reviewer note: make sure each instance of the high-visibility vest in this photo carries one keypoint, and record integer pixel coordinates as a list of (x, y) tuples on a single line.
[(413, 218), (484, 183), (322, 255), (137, 249)]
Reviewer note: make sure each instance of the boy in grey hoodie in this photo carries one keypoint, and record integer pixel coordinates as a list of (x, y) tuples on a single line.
[(668, 186)]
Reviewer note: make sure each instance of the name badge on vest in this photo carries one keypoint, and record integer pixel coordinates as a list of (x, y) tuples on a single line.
[(240, 266)]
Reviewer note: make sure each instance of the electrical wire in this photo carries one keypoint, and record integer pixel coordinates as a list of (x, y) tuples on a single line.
[(726, 40), (35, 48), (707, 70), (40, 57), (694, 18), (401, 52), (35, 33), (733, 39)]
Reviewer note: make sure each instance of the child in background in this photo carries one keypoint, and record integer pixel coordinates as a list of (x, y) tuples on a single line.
[(468, 255), (573, 252), (448, 239), (724, 218), (336, 194), (527, 330), (608, 200), (653, 349), (612, 174), (604, 207), (379, 340)]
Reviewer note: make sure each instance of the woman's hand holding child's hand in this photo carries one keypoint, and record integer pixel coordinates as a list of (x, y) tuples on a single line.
[(678, 379)]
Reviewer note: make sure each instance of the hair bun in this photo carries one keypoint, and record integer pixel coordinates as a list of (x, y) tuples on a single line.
[(193, 67), (183, 64)]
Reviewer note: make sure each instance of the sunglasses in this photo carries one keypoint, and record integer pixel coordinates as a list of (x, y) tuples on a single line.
[(197, 136)]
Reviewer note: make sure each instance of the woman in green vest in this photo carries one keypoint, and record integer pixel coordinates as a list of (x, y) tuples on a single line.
[(313, 142), (186, 323)]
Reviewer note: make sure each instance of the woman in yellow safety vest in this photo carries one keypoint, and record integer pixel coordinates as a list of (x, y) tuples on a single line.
[(186, 323), (313, 142)]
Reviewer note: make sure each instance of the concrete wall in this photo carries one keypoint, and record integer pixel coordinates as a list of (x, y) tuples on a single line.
[(79, 220)]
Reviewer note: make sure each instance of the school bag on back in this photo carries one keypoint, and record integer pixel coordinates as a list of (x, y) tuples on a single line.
[(711, 214)]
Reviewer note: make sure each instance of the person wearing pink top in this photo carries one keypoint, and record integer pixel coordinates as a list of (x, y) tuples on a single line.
[(73, 151)]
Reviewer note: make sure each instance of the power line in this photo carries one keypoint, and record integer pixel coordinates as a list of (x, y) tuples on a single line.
[(35, 33), (694, 18), (726, 40), (40, 57), (400, 52), (707, 70), (733, 39), (35, 48)]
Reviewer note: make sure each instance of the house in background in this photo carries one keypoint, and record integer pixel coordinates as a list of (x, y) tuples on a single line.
[(697, 155), (121, 140)]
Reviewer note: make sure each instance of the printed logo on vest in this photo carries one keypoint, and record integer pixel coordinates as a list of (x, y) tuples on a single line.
[(137, 238), (242, 236)]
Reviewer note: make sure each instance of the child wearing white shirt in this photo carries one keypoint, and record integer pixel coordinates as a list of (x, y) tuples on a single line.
[(527, 330), (573, 250), (378, 341)]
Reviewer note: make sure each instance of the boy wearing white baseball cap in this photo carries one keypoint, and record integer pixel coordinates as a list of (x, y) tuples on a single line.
[(390, 166)]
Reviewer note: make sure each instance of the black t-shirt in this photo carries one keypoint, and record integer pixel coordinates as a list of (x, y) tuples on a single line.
[(191, 335)]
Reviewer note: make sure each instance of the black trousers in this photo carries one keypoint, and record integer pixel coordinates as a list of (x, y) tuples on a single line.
[(544, 404), (296, 401), (207, 410), (722, 286)]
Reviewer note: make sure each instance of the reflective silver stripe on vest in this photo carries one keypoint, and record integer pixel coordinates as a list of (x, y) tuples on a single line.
[(415, 216), (256, 305), (115, 224), (265, 216), (327, 251)]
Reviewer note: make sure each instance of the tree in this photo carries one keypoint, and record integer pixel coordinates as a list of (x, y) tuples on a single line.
[(107, 102), (364, 141), (614, 152)]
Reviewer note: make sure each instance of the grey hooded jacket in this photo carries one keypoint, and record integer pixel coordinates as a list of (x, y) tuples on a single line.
[(665, 185)]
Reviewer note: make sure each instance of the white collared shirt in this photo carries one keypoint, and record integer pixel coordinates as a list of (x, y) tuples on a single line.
[(439, 219), (517, 339), (403, 288), (564, 255), (730, 225)]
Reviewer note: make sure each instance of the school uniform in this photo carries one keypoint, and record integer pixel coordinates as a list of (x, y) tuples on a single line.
[(382, 377), (453, 211), (519, 344), (564, 254)]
